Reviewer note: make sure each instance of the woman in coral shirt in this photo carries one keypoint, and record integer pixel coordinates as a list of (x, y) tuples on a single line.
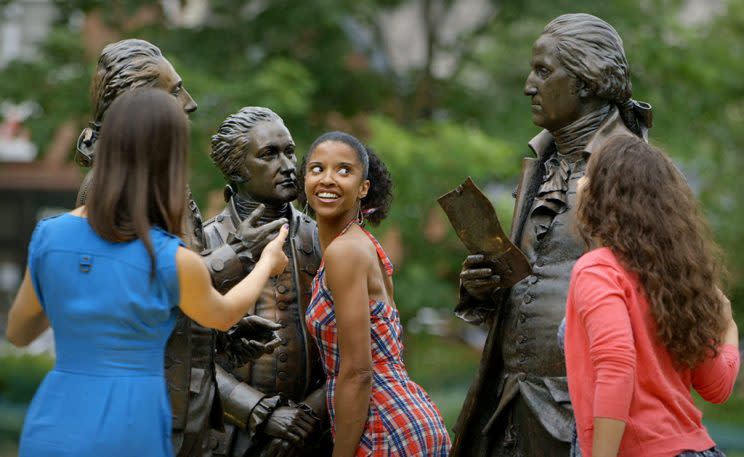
[(645, 318)]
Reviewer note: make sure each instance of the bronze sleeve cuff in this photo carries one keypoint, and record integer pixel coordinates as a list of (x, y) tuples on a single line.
[(243, 405), (224, 266), (474, 311)]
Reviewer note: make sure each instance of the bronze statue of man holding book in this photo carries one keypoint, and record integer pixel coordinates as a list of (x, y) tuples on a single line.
[(580, 91)]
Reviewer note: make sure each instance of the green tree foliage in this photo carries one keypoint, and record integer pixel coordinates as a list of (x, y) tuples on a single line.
[(326, 64)]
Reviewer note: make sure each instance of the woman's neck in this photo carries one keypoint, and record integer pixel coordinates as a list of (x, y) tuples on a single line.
[(330, 228)]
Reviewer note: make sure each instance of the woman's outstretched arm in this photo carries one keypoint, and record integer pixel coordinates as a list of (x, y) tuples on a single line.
[(347, 263), (202, 303)]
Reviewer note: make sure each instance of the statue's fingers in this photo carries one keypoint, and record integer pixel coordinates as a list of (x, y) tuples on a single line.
[(272, 449), (255, 215), (254, 322), (272, 345), (305, 423), (286, 449), (476, 273), (473, 260), (294, 439), (272, 226)]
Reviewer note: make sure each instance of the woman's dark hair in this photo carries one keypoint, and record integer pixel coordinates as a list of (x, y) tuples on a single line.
[(140, 169), (380, 193), (638, 204)]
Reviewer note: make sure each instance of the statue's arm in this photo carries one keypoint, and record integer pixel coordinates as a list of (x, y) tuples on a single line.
[(243, 405), (480, 291), (225, 266)]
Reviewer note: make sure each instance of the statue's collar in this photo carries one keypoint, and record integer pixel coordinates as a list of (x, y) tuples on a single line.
[(239, 207), (543, 143)]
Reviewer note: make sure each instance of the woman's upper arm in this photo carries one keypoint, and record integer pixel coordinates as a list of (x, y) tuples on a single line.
[(26, 318), (198, 299), (346, 264), (601, 305)]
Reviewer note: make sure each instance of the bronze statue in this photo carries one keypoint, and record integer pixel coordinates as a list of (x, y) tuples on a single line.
[(189, 357), (274, 406), (580, 91)]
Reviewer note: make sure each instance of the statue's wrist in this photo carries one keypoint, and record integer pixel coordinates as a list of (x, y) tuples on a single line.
[(263, 411), (308, 410)]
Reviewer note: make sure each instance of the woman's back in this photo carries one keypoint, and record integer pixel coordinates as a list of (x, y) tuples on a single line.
[(111, 321)]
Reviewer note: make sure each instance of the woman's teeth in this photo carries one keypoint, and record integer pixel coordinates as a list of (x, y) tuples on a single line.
[(327, 195)]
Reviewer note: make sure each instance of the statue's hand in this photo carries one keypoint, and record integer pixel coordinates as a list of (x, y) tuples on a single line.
[(478, 277), (252, 337), (255, 237), (278, 447), (256, 328), (291, 424)]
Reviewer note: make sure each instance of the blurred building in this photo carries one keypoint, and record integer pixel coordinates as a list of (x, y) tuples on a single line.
[(23, 26), (29, 189)]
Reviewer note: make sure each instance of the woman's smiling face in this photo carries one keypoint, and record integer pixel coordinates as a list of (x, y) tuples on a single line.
[(334, 180)]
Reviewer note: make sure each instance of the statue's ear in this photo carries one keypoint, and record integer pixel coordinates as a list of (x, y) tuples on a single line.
[(583, 89), (85, 147), (237, 178)]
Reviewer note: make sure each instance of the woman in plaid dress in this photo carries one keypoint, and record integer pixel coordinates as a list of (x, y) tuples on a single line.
[(374, 407)]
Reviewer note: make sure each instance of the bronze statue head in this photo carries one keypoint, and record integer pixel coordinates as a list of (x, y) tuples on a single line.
[(256, 154), (578, 66), (122, 66)]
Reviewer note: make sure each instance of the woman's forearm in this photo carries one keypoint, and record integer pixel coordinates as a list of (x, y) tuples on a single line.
[(607, 436), (352, 400), (246, 292)]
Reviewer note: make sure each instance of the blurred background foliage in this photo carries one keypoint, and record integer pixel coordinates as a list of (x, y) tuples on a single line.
[(454, 108), (434, 86)]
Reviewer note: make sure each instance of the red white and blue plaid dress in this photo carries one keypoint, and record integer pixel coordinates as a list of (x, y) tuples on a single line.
[(402, 420)]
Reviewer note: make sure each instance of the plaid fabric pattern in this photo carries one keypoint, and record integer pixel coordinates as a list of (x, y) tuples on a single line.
[(402, 420)]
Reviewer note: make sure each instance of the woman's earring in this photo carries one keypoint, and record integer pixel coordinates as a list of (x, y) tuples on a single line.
[(360, 216), (304, 208)]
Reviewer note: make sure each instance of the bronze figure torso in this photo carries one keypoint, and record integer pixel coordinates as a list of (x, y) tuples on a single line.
[(518, 404), (189, 370), (293, 370)]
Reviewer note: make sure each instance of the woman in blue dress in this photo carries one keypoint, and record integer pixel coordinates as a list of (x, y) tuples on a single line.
[(108, 277)]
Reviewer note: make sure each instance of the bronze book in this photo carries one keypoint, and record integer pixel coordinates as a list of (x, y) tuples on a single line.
[(476, 224)]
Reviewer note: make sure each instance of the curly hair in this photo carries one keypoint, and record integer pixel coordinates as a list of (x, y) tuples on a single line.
[(637, 203), (380, 193), (228, 144)]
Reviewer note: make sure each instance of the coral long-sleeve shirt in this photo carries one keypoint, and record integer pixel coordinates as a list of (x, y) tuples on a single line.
[(617, 370)]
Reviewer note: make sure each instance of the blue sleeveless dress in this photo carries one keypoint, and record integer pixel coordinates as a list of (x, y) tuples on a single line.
[(106, 395)]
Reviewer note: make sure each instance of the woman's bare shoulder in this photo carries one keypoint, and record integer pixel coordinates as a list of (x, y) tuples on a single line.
[(352, 249)]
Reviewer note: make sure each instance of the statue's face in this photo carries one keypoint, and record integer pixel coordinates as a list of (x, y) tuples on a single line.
[(170, 81), (553, 89), (269, 170)]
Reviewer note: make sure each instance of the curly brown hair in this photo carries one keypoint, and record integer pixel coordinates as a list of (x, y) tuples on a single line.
[(637, 203)]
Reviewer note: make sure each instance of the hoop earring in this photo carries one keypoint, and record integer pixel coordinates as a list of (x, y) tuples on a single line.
[(360, 215), (304, 208)]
